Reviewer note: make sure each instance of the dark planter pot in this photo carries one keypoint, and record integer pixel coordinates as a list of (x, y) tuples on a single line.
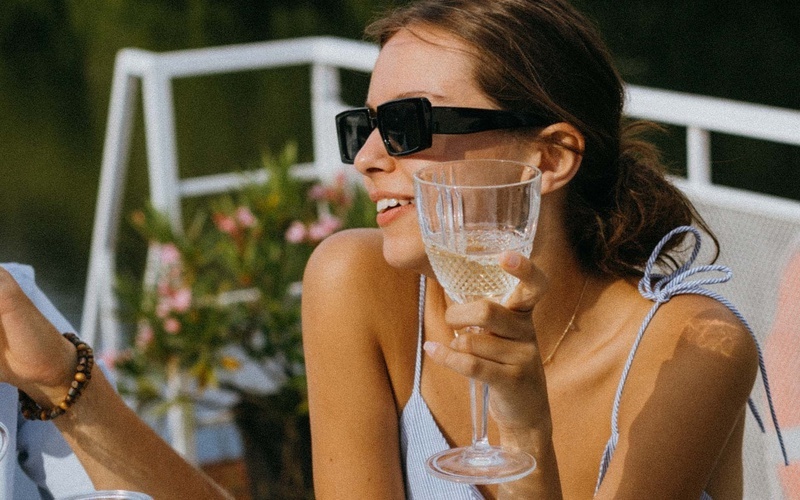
[(277, 445)]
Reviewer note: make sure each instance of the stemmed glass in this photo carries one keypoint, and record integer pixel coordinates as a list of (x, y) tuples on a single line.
[(470, 211)]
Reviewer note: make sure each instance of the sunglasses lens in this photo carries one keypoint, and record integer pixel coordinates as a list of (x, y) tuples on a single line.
[(405, 127), (400, 126), (353, 128)]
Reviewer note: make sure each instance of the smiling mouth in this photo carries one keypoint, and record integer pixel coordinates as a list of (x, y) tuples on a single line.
[(390, 203)]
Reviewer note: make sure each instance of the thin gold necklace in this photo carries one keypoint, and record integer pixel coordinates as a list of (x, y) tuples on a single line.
[(569, 325)]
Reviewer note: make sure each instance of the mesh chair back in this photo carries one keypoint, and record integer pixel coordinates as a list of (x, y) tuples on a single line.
[(760, 241)]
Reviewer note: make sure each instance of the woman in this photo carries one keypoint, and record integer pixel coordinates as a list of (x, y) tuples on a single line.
[(556, 351)]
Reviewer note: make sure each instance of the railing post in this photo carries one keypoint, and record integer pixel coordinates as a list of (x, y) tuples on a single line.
[(162, 149), (325, 103), (98, 300), (162, 156), (698, 156)]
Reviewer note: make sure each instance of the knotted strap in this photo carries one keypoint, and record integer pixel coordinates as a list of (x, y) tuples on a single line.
[(660, 289)]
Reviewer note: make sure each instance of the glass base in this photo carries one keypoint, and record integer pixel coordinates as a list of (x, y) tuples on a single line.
[(489, 465)]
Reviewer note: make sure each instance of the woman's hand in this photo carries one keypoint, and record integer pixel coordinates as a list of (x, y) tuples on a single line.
[(505, 353), (33, 355)]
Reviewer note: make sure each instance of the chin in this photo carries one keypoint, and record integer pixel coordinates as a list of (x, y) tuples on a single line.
[(405, 253)]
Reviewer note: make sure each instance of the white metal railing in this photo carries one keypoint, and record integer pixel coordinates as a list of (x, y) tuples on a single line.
[(153, 73), (702, 115)]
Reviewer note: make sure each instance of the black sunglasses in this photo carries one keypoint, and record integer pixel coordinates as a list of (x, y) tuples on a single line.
[(407, 125)]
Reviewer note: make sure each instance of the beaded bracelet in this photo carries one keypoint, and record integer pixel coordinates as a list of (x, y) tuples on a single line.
[(83, 374)]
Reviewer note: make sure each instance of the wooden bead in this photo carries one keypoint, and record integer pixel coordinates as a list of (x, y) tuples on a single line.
[(31, 410)]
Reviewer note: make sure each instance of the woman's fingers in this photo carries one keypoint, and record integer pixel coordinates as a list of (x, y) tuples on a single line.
[(518, 395), (505, 355), (493, 348), (511, 320), (491, 317), (475, 359), (533, 282)]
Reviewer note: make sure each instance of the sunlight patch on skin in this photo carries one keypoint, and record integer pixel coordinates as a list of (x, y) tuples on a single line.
[(707, 331)]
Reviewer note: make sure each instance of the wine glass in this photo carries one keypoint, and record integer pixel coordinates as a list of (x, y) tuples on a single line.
[(470, 211)]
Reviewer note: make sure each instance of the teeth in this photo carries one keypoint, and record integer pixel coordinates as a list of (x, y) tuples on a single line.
[(387, 203)]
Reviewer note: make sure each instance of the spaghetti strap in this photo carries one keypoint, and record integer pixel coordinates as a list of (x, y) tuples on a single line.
[(420, 315), (660, 289)]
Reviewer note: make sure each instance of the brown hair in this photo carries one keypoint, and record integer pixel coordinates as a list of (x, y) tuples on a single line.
[(545, 57)]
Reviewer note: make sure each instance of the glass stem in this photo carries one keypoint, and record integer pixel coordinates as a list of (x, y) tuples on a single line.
[(479, 406)]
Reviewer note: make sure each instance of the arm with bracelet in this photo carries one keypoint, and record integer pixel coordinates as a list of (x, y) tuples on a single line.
[(37, 457), (71, 430)]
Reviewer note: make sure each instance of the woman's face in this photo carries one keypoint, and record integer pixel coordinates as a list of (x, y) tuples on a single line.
[(426, 63)]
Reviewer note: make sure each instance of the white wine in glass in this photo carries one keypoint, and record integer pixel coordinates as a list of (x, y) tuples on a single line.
[(470, 212)]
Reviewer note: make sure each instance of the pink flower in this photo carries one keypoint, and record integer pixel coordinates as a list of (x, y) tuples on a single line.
[(144, 335), (245, 217), (172, 326), (182, 299), (296, 232), (324, 227), (163, 307), (164, 287), (111, 357), (318, 192), (341, 179), (169, 254), (225, 223)]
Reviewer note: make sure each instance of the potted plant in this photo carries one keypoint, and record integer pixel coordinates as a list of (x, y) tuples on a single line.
[(226, 293)]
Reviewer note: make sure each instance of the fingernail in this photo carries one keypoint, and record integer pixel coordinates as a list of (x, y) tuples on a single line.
[(511, 260), (430, 346)]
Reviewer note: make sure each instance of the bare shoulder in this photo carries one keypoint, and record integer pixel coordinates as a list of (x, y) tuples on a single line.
[(683, 401), (352, 261), (695, 355), (355, 308), (706, 331), (343, 255), (348, 278)]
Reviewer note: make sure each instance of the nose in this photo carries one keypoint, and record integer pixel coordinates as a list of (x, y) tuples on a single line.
[(372, 157)]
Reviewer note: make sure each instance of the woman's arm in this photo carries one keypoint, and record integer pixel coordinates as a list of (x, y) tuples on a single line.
[(685, 396), (116, 448), (354, 424), (121, 452)]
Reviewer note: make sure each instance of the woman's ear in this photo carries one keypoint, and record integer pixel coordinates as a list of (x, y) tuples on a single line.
[(558, 152)]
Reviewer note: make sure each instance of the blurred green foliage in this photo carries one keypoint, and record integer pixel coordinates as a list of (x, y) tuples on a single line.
[(56, 63), (747, 51)]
